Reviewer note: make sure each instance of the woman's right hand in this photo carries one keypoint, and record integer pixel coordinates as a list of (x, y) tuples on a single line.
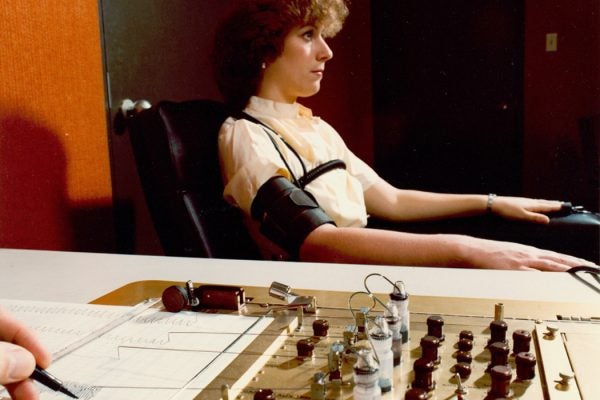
[(494, 254)]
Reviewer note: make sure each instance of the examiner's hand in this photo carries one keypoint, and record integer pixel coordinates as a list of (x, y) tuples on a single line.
[(20, 350), (494, 254), (524, 209)]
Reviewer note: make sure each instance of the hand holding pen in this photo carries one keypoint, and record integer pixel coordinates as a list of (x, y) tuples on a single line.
[(20, 351)]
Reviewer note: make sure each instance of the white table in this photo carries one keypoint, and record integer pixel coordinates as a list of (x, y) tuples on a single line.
[(82, 277)]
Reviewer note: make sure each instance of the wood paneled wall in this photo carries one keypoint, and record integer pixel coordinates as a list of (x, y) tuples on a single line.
[(54, 157)]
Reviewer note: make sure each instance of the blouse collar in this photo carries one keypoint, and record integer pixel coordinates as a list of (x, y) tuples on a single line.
[(270, 108)]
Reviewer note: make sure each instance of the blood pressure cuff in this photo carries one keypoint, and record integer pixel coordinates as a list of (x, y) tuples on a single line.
[(287, 214)]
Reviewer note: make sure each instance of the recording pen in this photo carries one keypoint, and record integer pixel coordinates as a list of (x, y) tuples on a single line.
[(45, 378)]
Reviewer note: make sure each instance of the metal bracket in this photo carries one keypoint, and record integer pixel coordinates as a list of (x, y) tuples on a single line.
[(284, 292)]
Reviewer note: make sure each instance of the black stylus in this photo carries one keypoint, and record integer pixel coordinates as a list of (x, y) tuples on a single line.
[(46, 379)]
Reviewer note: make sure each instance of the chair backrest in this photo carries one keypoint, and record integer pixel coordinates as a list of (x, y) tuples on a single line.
[(176, 153)]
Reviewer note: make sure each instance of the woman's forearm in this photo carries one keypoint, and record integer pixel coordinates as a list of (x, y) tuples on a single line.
[(373, 246), (417, 205), (385, 201)]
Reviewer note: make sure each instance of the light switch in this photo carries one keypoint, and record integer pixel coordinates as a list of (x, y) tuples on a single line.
[(551, 41)]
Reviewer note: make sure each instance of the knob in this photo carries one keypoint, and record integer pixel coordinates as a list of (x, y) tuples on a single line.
[(465, 345), (551, 331), (463, 369), (415, 394), (176, 298), (305, 348), (499, 352), (521, 341), (423, 375), (525, 366), (464, 356), (466, 335), (435, 324), (501, 376), (264, 394), (498, 331), (429, 349), (320, 327), (565, 378)]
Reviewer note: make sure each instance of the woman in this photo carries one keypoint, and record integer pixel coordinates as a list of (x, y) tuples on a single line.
[(269, 53)]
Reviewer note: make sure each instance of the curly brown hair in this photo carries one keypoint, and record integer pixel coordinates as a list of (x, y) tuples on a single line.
[(252, 33)]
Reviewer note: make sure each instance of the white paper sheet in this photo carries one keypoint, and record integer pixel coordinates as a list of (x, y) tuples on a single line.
[(152, 355)]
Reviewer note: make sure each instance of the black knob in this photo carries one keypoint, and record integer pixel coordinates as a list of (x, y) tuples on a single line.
[(525, 366), (175, 298), (466, 335), (305, 348), (521, 341), (423, 375), (320, 327), (464, 356), (499, 352), (264, 394), (429, 348), (498, 331), (501, 375), (415, 394), (465, 345), (435, 324), (463, 369)]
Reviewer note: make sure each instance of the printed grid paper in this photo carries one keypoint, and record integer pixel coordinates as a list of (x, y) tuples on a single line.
[(153, 355)]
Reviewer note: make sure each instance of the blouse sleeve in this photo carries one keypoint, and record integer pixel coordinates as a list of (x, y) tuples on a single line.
[(248, 159), (354, 165)]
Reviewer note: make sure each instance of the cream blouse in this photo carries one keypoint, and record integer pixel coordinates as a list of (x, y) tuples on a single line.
[(249, 158)]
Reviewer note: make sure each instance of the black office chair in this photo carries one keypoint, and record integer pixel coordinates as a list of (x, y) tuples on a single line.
[(175, 148)]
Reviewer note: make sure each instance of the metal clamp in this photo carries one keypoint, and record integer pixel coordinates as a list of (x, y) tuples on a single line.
[(284, 292)]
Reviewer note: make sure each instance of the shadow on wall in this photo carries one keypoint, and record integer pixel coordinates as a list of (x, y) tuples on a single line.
[(35, 212), (33, 207)]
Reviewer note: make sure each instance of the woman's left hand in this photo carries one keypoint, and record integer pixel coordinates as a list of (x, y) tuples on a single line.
[(524, 209)]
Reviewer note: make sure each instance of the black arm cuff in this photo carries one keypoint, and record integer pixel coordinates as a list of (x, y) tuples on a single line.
[(287, 214)]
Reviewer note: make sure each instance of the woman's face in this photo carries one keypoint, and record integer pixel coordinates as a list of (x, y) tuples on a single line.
[(298, 71)]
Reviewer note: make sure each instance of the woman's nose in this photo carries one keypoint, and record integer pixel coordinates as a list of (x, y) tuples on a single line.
[(324, 53)]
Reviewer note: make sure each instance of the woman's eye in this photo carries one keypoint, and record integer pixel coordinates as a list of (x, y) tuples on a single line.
[(308, 35)]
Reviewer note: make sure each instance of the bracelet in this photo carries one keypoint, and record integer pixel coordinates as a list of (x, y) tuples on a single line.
[(490, 203)]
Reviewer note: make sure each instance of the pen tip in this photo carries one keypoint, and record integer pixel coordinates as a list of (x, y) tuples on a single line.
[(68, 393)]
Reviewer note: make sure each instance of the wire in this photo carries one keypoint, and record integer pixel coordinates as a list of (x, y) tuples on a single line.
[(585, 268), (594, 271), (382, 276)]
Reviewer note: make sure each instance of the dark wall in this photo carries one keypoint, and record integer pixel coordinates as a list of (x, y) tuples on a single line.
[(447, 94), (346, 95), (561, 89), (557, 94)]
